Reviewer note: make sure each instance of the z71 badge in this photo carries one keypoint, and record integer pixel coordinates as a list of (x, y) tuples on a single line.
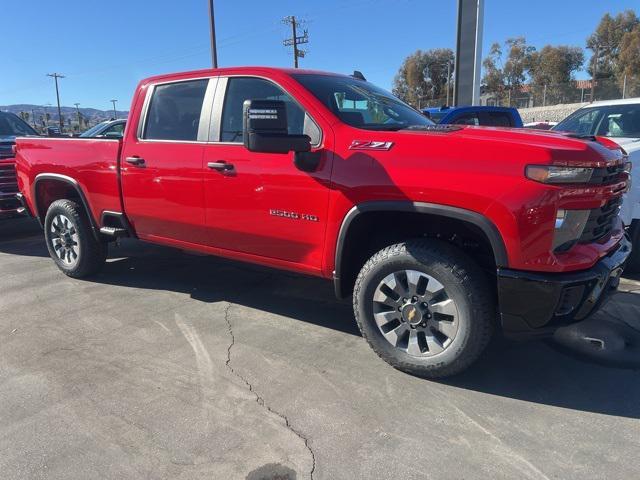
[(293, 215), (369, 145)]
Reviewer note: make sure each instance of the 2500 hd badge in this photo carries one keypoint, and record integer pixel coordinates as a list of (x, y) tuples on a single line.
[(293, 215)]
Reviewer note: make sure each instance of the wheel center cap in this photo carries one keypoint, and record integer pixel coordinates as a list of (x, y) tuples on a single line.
[(412, 314)]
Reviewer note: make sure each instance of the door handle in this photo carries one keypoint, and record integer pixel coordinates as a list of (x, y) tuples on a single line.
[(137, 161), (221, 166)]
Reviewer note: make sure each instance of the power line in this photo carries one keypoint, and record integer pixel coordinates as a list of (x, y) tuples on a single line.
[(55, 77), (295, 39)]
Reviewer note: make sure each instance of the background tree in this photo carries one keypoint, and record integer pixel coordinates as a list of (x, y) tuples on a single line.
[(422, 77), (551, 71), (515, 67), (493, 79), (505, 82), (606, 44), (629, 63)]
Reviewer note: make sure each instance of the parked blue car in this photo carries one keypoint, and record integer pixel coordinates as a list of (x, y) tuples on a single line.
[(485, 116)]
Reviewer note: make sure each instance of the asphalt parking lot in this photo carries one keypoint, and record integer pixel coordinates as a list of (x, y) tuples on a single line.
[(175, 366)]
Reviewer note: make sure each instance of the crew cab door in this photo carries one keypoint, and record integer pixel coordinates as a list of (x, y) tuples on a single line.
[(161, 162), (260, 203)]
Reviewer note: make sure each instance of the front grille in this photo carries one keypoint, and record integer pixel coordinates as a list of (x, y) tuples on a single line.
[(8, 186), (606, 175), (601, 222)]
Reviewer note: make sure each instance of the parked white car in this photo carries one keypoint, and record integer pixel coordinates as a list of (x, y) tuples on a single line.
[(618, 120)]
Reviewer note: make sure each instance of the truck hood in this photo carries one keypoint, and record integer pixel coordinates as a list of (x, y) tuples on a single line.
[(554, 147)]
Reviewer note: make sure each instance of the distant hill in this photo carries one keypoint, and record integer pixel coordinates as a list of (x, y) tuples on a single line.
[(92, 115)]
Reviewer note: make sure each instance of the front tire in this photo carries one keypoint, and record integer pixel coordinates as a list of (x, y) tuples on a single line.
[(71, 241), (424, 307)]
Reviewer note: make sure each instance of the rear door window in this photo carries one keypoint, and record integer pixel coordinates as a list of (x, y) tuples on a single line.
[(174, 111), (496, 119), (467, 119)]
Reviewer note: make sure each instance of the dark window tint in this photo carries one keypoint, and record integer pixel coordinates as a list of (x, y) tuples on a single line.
[(240, 89), (11, 125), (174, 113), (467, 119), (497, 119)]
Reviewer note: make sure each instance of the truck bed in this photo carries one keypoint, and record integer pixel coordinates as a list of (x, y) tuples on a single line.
[(90, 162)]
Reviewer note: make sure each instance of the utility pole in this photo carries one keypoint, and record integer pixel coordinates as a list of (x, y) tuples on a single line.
[(596, 55), (624, 87), (212, 23), (33, 115), (115, 115), (78, 113), (56, 76), (295, 40)]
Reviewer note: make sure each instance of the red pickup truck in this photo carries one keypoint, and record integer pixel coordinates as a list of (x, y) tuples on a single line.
[(442, 234)]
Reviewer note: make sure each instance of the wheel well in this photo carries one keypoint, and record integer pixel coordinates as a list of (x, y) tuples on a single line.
[(370, 232), (48, 190)]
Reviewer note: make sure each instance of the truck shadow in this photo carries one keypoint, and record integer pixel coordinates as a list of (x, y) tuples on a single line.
[(22, 236), (535, 371)]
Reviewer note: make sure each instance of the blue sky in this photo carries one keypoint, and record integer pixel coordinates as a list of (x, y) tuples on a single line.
[(104, 48)]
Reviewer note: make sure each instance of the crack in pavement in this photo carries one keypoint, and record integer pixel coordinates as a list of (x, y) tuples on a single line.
[(259, 399)]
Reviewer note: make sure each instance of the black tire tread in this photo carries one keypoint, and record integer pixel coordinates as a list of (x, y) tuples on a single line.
[(468, 272), (94, 252)]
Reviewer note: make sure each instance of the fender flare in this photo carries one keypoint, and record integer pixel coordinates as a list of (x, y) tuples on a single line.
[(469, 216), (69, 181)]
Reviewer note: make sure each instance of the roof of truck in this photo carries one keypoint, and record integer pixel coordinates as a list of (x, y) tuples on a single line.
[(236, 70)]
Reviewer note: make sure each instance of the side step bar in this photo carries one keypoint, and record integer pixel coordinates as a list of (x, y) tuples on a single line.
[(114, 232)]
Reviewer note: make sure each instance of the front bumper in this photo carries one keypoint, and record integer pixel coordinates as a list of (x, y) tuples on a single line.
[(536, 304)]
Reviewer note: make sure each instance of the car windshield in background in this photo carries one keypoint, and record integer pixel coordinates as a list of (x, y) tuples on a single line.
[(94, 130), (621, 121), (13, 126), (361, 104)]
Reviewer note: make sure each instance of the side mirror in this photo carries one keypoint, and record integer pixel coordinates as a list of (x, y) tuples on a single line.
[(264, 127)]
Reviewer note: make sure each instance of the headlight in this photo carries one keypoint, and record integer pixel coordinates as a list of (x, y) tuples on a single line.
[(569, 227), (555, 174)]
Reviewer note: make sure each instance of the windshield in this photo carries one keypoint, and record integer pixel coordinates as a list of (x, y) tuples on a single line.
[(13, 126), (361, 104), (615, 121), (94, 130)]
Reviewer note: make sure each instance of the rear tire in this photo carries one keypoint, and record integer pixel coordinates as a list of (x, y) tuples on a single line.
[(425, 307), (633, 264), (71, 241)]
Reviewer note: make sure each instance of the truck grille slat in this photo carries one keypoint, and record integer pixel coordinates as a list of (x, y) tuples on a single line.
[(601, 222), (606, 175), (8, 188)]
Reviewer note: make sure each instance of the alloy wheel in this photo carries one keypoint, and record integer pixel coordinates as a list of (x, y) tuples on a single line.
[(415, 313)]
